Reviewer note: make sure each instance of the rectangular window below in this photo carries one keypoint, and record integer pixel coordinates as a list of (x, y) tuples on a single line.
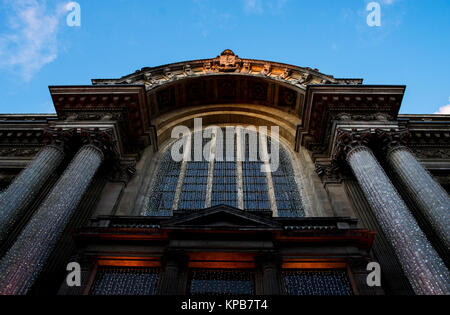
[(221, 282), (316, 282)]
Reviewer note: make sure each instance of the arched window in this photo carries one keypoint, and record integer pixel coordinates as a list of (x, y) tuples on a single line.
[(231, 176)]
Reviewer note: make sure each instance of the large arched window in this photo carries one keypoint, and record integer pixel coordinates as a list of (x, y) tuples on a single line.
[(231, 176)]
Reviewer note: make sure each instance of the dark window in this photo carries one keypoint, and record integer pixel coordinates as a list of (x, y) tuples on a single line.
[(221, 282), (125, 281), (317, 283)]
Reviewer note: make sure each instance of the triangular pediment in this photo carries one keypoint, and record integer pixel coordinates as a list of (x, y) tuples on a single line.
[(222, 217)]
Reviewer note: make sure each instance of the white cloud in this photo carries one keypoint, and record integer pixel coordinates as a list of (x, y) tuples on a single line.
[(445, 110), (30, 41)]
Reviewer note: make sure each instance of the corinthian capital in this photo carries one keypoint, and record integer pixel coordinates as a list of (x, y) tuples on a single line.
[(348, 141), (392, 139), (101, 139), (62, 138)]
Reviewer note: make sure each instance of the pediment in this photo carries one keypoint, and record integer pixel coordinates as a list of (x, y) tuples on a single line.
[(222, 218)]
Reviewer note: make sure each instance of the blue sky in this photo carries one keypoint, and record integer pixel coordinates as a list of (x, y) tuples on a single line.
[(117, 37)]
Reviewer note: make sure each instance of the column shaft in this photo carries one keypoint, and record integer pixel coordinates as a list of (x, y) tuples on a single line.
[(172, 282), (432, 200), (25, 188), (422, 265), (25, 259), (270, 266)]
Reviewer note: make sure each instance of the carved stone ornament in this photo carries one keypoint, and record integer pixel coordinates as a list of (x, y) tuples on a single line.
[(228, 61), (267, 70), (347, 141), (432, 153), (392, 139), (364, 117), (331, 173), (64, 139), (103, 140)]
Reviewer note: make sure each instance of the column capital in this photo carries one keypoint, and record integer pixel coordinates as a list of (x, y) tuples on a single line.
[(103, 140), (62, 139), (350, 140), (393, 139)]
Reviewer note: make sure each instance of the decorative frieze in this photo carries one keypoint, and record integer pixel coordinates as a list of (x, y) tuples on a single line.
[(19, 152), (228, 62), (432, 153)]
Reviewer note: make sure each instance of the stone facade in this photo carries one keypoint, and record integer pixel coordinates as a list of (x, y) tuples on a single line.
[(374, 184)]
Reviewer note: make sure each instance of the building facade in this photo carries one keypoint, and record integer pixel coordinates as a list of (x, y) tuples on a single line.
[(97, 185)]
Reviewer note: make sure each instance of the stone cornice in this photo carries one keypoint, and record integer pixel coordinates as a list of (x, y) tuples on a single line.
[(126, 105), (325, 104)]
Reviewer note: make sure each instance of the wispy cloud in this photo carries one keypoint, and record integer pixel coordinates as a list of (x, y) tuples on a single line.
[(261, 6), (210, 17), (30, 39), (445, 110), (253, 6)]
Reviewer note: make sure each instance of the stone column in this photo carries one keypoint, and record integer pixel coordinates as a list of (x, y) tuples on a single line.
[(431, 199), (25, 259), (270, 265), (172, 282), (422, 265), (25, 188)]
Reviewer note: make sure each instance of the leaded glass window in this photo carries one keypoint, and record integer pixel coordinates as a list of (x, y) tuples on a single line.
[(125, 281), (193, 194), (287, 195), (165, 185), (224, 184), (224, 187), (227, 180), (317, 282), (221, 282)]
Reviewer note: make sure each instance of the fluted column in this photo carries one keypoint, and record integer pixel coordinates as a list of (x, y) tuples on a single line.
[(431, 199), (172, 283), (25, 188), (270, 265), (26, 258), (421, 263)]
